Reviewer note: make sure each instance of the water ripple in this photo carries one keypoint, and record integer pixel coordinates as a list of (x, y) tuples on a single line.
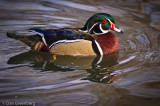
[(74, 5), (127, 60), (143, 39), (25, 6), (65, 84)]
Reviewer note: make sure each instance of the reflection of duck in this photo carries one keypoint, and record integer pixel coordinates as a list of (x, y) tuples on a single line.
[(93, 39), (44, 61), (103, 76)]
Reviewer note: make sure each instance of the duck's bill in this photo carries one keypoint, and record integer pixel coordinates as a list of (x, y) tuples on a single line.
[(115, 28)]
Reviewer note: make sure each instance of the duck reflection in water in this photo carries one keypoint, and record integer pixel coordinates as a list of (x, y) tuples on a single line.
[(99, 67)]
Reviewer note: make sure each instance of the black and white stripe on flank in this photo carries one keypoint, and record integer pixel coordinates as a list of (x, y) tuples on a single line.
[(65, 41), (99, 47)]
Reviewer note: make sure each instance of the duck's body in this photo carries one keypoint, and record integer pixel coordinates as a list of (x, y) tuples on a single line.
[(70, 41), (105, 44)]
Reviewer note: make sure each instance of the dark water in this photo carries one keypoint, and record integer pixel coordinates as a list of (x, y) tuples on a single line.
[(129, 77)]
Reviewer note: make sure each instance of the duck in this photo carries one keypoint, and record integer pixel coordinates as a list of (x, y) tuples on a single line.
[(94, 38)]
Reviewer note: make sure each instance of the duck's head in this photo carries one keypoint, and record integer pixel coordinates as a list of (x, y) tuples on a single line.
[(100, 23)]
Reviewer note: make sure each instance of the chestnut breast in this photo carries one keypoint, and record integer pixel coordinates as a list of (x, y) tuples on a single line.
[(108, 42)]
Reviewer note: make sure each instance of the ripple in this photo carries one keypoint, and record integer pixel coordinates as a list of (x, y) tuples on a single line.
[(74, 5), (18, 22), (77, 98), (25, 6), (70, 83), (127, 60), (61, 18), (143, 39), (155, 16), (132, 45)]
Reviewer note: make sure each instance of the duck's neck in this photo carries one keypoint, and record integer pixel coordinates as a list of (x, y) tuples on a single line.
[(108, 42)]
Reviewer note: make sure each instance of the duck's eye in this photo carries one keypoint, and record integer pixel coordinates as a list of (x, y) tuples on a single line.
[(104, 21)]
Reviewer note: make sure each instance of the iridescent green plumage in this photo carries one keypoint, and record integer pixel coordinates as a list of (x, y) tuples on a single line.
[(104, 19)]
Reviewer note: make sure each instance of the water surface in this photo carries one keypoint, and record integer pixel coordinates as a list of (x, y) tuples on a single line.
[(130, 76)]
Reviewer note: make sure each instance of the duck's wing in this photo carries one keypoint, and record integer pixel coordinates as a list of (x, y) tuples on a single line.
[(52, 37)]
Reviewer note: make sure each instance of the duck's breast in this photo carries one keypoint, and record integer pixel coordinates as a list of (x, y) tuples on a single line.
[(108, 42)]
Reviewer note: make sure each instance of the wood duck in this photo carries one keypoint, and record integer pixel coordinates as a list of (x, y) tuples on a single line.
[(94, 38)]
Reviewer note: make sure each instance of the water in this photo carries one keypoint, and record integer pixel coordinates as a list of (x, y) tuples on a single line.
[(128, 77)]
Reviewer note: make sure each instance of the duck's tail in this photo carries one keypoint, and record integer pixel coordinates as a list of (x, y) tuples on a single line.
[(30, 38)]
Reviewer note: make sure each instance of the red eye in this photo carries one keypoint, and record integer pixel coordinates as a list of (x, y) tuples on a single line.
[(104, 21)]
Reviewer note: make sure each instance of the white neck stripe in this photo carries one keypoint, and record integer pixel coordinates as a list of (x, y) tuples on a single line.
[(92, 27), (104, 31)]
